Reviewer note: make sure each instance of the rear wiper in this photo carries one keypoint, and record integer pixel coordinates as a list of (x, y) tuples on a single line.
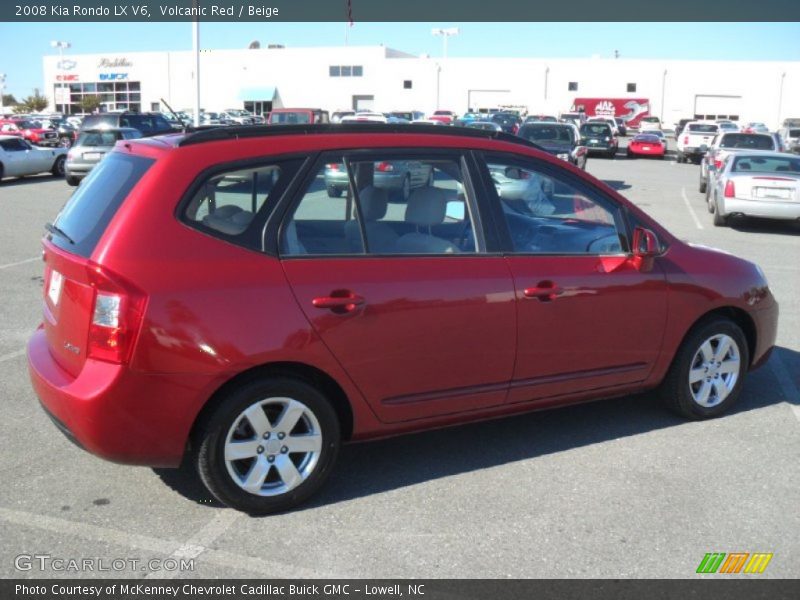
[(58, 231)]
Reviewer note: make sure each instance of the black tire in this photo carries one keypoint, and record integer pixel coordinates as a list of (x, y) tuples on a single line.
[(676, 391), (679, 158), (58, 167), (334, 192), (719, 220), (703, 183), (65, 142), (73, 181), (213, 431), (2, 172)]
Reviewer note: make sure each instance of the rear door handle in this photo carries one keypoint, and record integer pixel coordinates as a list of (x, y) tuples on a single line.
[(545, 291), (339, 301)]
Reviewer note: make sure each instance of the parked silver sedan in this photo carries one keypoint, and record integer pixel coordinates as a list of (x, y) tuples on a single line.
[(90, 148), (763, 184), (18, 158)]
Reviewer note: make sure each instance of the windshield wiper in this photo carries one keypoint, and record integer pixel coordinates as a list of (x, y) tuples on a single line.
[(58, 231)]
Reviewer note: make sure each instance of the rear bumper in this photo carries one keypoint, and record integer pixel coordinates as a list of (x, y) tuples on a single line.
[(116, 413), (760, 208), (691, 151)]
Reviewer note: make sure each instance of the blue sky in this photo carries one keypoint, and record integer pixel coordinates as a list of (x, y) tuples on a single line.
[(23, 45)]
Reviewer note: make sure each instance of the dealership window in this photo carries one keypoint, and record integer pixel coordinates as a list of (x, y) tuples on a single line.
[(346, 71), (572, 86), (119, 95), (631, 87), (407, 84)]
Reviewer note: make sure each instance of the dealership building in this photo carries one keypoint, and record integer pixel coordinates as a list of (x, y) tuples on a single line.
[(379, 78)]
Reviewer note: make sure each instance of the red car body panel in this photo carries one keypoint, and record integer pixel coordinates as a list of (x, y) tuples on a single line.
[(439, 341)]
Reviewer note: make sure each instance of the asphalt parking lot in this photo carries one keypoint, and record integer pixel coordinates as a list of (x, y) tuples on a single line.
[(614, 489)]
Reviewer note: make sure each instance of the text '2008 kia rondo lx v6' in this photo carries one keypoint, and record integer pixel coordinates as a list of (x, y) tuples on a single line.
[(206, 299)]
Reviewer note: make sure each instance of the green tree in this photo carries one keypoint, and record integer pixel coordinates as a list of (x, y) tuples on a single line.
[(9, 100), (35, 103), (90, 103)]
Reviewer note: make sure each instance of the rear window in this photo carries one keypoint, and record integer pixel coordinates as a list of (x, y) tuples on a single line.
[(595, 129), (650, 120), (90, 209), (98, 138), (794, 133), (91, 121), (547, 133), (290, 117), (766, 164), (703, 128), (743, 140)]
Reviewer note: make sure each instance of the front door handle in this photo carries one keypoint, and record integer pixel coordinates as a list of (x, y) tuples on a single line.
[(545, 291), (339, 301)]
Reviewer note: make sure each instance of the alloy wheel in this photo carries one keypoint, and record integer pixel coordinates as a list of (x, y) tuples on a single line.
[(714, 370)]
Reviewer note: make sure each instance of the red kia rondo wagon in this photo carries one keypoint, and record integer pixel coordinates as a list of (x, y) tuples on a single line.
[(206, 299)]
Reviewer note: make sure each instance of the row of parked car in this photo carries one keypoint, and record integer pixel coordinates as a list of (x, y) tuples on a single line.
[(745, 172)]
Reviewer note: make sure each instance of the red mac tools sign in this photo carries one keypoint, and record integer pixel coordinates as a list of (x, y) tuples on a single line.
[(630, 110)]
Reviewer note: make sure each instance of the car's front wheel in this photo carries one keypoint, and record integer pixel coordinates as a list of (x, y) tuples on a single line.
[(707, 374), (268, 446), (334, 192)]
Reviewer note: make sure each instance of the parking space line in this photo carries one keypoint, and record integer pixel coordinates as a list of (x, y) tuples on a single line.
[(11, 355), (208, 534), (199, 542), (691, 210), (20, 262), (789, 389)]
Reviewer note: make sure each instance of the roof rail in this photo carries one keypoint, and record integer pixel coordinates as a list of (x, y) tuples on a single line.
[(235, 132)]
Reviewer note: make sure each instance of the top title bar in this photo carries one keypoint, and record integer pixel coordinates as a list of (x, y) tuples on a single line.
[(391, 10)]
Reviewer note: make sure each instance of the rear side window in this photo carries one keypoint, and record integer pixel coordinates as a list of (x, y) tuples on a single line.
[(90, 209), (234, 205)]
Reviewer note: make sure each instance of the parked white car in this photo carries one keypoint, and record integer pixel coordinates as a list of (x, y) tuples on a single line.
[(695, 140), (19, 157), (764, 184), (649, 123)]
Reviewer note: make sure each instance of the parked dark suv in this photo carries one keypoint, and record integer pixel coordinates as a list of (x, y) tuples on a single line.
[(148, 123), (204, 298)]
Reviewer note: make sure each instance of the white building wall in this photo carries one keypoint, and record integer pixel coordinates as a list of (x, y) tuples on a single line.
[(301, 76)]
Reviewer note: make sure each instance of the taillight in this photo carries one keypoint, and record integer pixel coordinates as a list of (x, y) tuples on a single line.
[(116, 317), (333, 166), (718, 164), (730, 190), (685, 140), (383, 167)]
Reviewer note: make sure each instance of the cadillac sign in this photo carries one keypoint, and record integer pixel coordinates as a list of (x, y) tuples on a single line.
[(113, 63)]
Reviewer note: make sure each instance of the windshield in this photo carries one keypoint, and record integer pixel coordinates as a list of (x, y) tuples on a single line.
[(743, 140), (650, 119), (547, 133)]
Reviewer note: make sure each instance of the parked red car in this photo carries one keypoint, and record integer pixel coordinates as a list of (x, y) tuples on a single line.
[(205, 298), (444, 116), (644, 144), (30, 130)]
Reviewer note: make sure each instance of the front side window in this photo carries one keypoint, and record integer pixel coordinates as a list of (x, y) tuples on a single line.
[(546, 213), (382, 206)]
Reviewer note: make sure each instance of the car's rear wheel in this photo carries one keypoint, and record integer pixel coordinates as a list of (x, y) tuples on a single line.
[(2, 173), (58, 166), (405, 191), (73, 181), (703, 183), (65, 142), (269, 445), (334, 192), (707, 374), (720, 220)]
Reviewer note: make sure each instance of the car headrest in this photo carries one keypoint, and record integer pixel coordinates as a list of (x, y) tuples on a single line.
[(374, 203), (426, 206)]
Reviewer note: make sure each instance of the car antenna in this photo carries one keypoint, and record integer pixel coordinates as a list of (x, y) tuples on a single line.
[(174, 114)]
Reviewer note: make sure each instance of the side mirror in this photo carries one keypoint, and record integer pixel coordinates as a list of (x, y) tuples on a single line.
[(645, 249), (645, 243)]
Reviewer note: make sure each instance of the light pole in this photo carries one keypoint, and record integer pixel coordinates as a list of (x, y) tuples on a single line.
[(61, 47), (780, 99), (196, 49), (663, 88), (546, 77), (445, 33), (2, 89)]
